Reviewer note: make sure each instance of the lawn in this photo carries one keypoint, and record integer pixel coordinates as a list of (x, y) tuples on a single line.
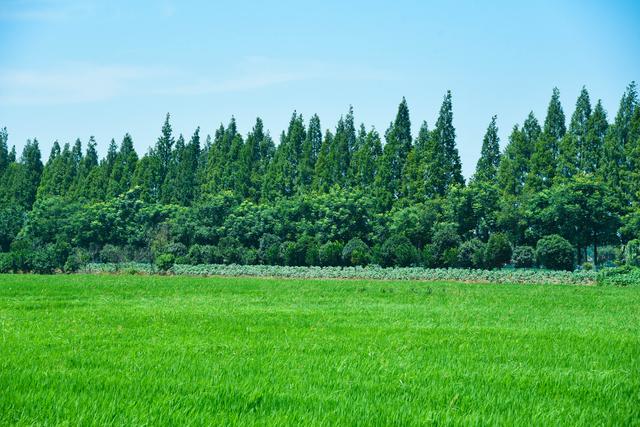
[(162, 350)]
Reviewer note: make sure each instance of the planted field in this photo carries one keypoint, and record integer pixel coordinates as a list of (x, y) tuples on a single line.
[(134, 350)]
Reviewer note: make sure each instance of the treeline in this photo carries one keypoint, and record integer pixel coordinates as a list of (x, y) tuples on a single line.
[(553, 196)]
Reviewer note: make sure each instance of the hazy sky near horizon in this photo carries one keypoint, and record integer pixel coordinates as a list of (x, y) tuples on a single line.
[(70, 69)]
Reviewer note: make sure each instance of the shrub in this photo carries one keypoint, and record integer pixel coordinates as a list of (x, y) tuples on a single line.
[(44, 260), (555, 253), (269, 250), (445, 238), (76, 260), (231, 250), (330, 254), (250, 256), (430, 257), (164, 262), (176, 249), (620, 276), (199, 254), (111, 253), (632, 253), (587, 266), (398, 251), (289, 253), (498, 251), (471, 254), (356, 252), (6, 262), (523, 257)]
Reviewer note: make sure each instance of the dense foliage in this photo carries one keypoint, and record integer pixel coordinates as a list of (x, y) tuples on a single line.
[(335, 198)]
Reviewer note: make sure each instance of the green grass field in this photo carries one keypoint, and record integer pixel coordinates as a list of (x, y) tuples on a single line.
[(153, 350)]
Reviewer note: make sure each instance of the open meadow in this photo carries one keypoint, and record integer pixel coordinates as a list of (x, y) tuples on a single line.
[(172, 350)]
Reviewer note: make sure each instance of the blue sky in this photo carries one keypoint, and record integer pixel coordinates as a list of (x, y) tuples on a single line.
[(72, 69)]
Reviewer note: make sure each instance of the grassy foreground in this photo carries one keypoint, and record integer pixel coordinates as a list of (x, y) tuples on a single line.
[(134, 350)]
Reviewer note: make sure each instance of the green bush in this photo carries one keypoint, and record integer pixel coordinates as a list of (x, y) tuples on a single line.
[(231, 250), (471, 254), (356, 252), (269, 250), (111, 253), (199, 254), (76, 260), (164, 262), (523, 257), (330, 254), (555, 253), (290, 253), (44, 260), (176, 249), (498, 251), (446, 241), (6, 262), (430, 257), (632, 253), (620, 276), (398, 251)]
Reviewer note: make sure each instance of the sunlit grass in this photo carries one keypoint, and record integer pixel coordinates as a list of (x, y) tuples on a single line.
[(134, 350)]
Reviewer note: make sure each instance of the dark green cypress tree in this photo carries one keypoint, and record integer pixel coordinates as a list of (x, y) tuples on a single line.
[(147, 177), (365, 159), (282, 177), (444, 135), (340, 151), (573, 145), (487, 166), (310, 150), (188, 185), (4, 151), (123, 168), (12, 154), (21, 180), (322, 179), (544, 160), (164, 147), (617, 141), (594, 141), (171, 185), (85, 185), (394, 156)]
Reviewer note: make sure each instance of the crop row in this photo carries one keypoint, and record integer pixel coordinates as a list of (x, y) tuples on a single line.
[(523, 276)]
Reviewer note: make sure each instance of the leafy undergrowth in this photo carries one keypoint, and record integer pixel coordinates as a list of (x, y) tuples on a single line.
[(523, 276), (180, 350)]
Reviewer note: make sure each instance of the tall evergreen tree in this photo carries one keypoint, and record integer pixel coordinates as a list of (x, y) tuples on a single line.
[(123, 168), (544, 159), (394, 156), (574, 143), (616, 146), (21, 180), (164, 147), (4, 151), (310, 150), (322, 179), (444, 135), (365, 159), (282, 178), (594, 140), (487, 166)]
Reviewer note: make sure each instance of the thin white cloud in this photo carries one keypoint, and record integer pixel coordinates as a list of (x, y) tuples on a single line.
[(83, 83), (71, 84), (259, 72)]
